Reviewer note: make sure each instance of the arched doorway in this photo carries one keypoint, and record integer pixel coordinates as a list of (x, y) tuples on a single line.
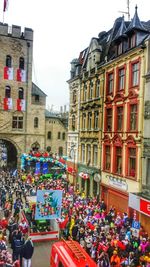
[(8, 155)]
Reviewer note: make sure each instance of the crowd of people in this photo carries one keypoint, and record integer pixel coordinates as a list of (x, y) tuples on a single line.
[(106, 235)]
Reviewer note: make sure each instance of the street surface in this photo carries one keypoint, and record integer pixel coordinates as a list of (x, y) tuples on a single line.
[(41, 256)]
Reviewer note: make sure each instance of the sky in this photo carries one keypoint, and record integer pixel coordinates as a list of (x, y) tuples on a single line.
[(63, 28)]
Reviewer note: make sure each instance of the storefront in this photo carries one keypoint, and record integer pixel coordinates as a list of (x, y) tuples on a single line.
[(88, 180), (114, 193), (142, 206)]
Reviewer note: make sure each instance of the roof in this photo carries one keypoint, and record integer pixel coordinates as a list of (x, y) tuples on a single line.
[(37, 91), (135, 23), (121, 31), (49, 114)]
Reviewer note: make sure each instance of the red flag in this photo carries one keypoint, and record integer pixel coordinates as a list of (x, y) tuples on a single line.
[(8, 73), (20, 104), (21, 75), (7, 103), (5, 5)]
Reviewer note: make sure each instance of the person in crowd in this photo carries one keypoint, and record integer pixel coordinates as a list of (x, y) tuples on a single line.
[(27, 252)]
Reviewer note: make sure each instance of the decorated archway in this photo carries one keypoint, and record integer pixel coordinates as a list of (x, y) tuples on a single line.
[(8, 154)]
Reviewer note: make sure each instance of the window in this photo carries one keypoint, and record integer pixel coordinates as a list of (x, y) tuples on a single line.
[(121, 85), (60, 151), (36, 122), (131, 162), (37, 98), (82, 153), (120, 48), (135, 68), (59, 135), (96, 113), (148, 172), (107, 158), (132, 41), (118, 160), (17, 122), (74, 97), (95, 155), (84, 121), (49, 135), (97, 94), (91, 90), (8, 61), (133, 117), (73, 122), (21, 93), (85, 92), (109, 119), (90, 120), (110, 83), (21, 63), (119, 119), (63, 136), (7, 91), (88, 154)]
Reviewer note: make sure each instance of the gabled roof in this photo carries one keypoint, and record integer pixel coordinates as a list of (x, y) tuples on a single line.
[(121, 31), (135, 23), (37, 91)]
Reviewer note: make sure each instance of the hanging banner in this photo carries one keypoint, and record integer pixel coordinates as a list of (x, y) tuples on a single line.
[(37, 167), (45, 168), (48, 204)]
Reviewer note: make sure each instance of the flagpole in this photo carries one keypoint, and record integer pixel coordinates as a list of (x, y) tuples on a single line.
[(3, 17)]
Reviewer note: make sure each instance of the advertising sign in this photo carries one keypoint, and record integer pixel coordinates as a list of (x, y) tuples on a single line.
[(48, 204), (145, 206)]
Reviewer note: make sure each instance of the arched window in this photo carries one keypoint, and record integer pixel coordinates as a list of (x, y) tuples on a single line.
[(59, 134), (21, 63), (91, 90), (63, 136), (36, 122), (7, 91), (20, 93), (48, 149), (8, 61), (60, 151), (49, 135)]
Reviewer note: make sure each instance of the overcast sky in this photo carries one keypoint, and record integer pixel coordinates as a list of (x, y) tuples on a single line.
[(63, 28)]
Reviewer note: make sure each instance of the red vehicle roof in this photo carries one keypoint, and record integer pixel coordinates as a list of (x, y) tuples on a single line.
[(70, 253)]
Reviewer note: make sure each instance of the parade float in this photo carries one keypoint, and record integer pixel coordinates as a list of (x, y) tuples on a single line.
[(43, 163), (41, 215), (44, 208)]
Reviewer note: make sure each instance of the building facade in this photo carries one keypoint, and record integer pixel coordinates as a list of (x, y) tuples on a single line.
[(17, 115), (55, 134), (119, 61), (22, 103)]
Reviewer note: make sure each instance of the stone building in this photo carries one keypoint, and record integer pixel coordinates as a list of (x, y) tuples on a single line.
[(22, 103), (56, 133)]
